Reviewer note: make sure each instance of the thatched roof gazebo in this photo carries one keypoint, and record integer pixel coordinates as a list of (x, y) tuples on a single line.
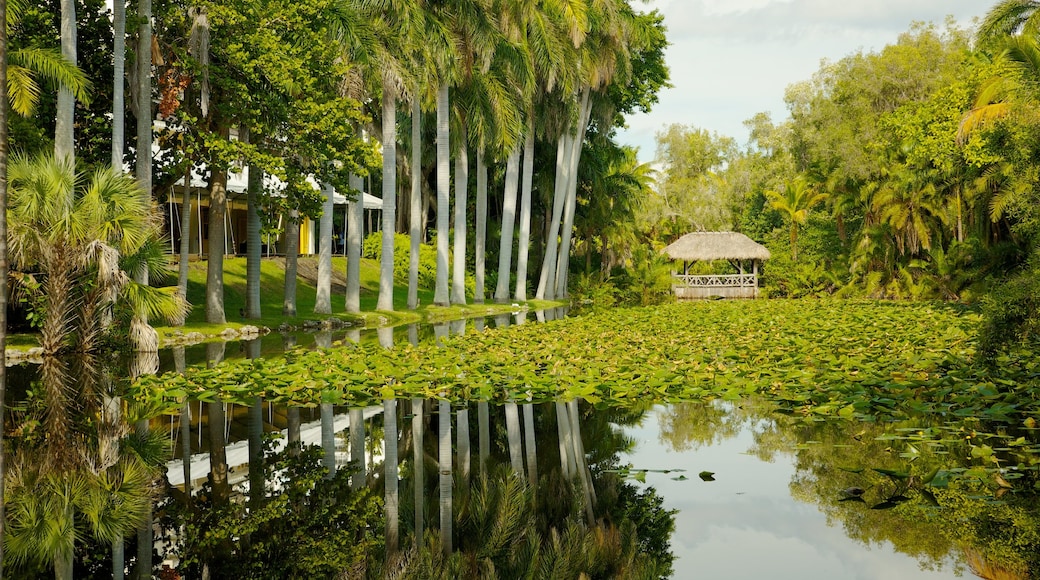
[(711, 246)]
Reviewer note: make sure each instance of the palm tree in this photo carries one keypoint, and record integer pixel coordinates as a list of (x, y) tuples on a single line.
[(323, 297), (355, 217), (3, 266), (73, 230), (415, 199), (795, 201), (118, 82), (390, 476)]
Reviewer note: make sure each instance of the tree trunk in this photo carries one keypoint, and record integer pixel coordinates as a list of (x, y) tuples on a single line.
[(563, 259), (185, 249), (292, 256), (532, 455), (483, 435), (563, 429), (391, 500), (545, 284), (145, 539), (513, 435), (217, 441), (505, 254), (481, 234), (185, 428), (328, 440), (458, 259), (440, 294), (144, 96), (415, 224), (64, 142), (357, 447), (524, 243), (323, 292), (418, 468), (215, 261), (355, 217), (118, 83), (462, 443), (445, 483), (385, 300), (253, 187), (256, 439)]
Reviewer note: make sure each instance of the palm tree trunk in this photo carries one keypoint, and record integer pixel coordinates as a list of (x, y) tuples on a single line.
[(145, 537), (481, 234), (144, 96), (292, 255), (323, 295), (328, 440), (524, 242), (513, 434), (256, 454), (415, 224), (462, 443), (563, 259), (292, 429), (357, 447), (418, 467), (215, 261), (118, 82), (484, 434), (505, 253), (440, 294), (386, 259), (563, 429), (444, 455), (392, 500), (185, 249), (458, 259), (579, 460), (64, 146), (532, 455), (355, 217), (255, 183), (546, 280)]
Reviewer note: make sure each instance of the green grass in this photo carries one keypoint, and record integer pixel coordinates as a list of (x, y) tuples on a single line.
[(272, 292)]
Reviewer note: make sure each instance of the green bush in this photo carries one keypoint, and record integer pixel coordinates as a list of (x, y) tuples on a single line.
[(373, 248), (1011, 313)]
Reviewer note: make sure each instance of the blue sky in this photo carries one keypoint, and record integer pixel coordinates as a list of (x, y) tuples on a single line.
[(730, 59)]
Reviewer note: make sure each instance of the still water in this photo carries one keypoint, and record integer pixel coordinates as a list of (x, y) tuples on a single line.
[(682, 489)]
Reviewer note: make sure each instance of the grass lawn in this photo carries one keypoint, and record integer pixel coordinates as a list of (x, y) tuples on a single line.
[(272, 293)]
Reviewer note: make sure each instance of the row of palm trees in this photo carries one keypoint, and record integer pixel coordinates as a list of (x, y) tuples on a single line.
[(500, 76)]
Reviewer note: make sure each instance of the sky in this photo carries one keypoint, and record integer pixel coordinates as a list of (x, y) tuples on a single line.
[(731, 59)]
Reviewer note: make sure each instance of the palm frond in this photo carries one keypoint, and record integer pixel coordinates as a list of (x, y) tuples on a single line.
[(48, 64)]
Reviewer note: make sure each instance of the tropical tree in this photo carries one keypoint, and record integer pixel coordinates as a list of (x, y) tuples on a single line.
[(64, 124), (81, 233), (795, 201)]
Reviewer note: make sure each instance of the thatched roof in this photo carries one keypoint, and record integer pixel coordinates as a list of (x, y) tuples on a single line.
[(707, 246)]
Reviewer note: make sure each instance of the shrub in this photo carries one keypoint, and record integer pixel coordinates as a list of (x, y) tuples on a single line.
[(373, 248)]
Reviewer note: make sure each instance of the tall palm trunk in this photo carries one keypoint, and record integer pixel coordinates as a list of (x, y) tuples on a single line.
[(445, 484), (505, 254), (254, 184), (462, 444), (118, 82), (513, 434), (563, 259), (481, 233), (440, 294), (415, 225), (328, 440), (355, 217), (418, 467), (524, 242), (529, 441), (357, 447), (292, 256), (215, 261), (483, 435), (65, 120), (458, 259), (545, 284), (179, 364), (144, 96), (185, 249), (579, 460), (563, 430), (323, 292), (392, 499), (255, 439), (386, 258)]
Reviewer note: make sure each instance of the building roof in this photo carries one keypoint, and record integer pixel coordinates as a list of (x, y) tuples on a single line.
[(708, 246)]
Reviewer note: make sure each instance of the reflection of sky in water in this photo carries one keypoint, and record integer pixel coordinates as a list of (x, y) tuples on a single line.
[(746, 524)]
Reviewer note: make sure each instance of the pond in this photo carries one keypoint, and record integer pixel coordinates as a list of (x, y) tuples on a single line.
[(650, 486)]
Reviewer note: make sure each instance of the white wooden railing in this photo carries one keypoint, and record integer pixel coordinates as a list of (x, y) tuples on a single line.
[(717, 281)]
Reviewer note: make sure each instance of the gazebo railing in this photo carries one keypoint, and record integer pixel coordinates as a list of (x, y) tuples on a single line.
[(717, 281)]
